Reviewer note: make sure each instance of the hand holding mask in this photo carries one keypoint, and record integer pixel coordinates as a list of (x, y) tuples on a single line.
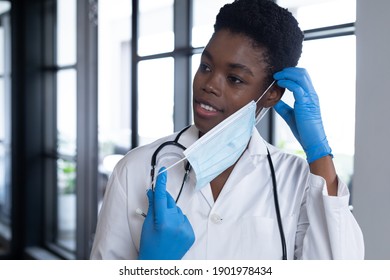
[(166, 233)]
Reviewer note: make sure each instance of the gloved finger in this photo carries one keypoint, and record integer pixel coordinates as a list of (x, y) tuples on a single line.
[(150, 196), (298, 75), (309, 101), (169, 199), (300, 96), (160, 195)]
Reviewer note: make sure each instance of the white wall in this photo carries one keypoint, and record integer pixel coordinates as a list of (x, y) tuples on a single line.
[(371, 187)]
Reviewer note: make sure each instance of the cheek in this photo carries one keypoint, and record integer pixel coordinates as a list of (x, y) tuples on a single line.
[(196, 81), (240, 99)]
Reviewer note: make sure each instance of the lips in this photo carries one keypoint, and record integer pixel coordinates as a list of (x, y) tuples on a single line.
[(207, 107), (204, 109)]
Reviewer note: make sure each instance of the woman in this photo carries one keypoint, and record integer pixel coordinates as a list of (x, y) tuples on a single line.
[(234, 214)]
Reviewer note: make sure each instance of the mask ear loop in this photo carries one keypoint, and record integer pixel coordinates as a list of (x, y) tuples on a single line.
[(261, 113)]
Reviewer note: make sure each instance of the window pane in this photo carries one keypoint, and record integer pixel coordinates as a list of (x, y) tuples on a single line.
[(66, 32), (155, 97), (2, 45), (66, 203), (155, 27), (114, 78), (66, 169), (331, 64), (320, 13), (5, 6), (3, 113), (66, 111), (204, 15)]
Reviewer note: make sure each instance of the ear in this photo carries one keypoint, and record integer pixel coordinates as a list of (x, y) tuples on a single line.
[(273, 95)]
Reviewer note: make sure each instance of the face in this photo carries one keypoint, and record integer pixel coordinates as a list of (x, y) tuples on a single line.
[(231, 74)]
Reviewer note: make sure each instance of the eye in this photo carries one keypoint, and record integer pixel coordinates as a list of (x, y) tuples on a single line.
[(235, 80), (203, 67)]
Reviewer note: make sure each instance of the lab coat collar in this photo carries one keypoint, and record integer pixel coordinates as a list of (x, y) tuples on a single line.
[(257, 145), (189, 136)]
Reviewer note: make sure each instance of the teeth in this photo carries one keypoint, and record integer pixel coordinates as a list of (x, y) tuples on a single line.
[(207, 107)]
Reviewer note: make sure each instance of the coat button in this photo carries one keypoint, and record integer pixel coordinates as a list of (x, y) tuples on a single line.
[(216, 219)]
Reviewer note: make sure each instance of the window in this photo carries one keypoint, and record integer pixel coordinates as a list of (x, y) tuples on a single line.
[(133, 111), (61, 126), (114, 83), (204, 19), (321, 13), (329, 56), (155, 38), (70, 137), (66, 91), (155, 84), (155, 101)]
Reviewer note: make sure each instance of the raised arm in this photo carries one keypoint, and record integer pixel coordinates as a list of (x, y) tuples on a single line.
[(306, 123)]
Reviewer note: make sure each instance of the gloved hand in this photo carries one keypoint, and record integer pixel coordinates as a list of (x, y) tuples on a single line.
[(305, 119), (166, 233)]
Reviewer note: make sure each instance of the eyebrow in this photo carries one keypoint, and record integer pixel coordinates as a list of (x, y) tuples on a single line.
[(231, 65)]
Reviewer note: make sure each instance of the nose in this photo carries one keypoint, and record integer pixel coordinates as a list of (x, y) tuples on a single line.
[(213, 85)]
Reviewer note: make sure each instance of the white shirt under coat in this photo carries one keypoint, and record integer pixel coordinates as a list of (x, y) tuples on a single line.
[(241, 223)]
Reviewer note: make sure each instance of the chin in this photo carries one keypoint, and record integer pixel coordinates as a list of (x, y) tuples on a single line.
[(203, 127)]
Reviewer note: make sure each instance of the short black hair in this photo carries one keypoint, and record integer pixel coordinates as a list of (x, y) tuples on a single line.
[(267, 25)]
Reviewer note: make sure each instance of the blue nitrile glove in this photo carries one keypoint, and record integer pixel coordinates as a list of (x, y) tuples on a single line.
[(305, 119), (166, 233)]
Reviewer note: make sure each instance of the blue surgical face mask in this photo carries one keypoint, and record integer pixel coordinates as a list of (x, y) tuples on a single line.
[(223, 145)]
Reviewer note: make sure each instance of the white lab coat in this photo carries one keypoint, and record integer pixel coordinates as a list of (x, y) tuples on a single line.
[(241, 223)]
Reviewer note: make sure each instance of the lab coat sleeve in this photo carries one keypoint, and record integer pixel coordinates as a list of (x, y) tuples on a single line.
[(326, 227), (113, 239)]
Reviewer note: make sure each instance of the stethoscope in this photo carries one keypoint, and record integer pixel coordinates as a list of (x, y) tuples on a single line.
[(176, 143)]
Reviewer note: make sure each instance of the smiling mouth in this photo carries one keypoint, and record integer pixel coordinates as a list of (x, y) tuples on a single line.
[(207, 107)]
